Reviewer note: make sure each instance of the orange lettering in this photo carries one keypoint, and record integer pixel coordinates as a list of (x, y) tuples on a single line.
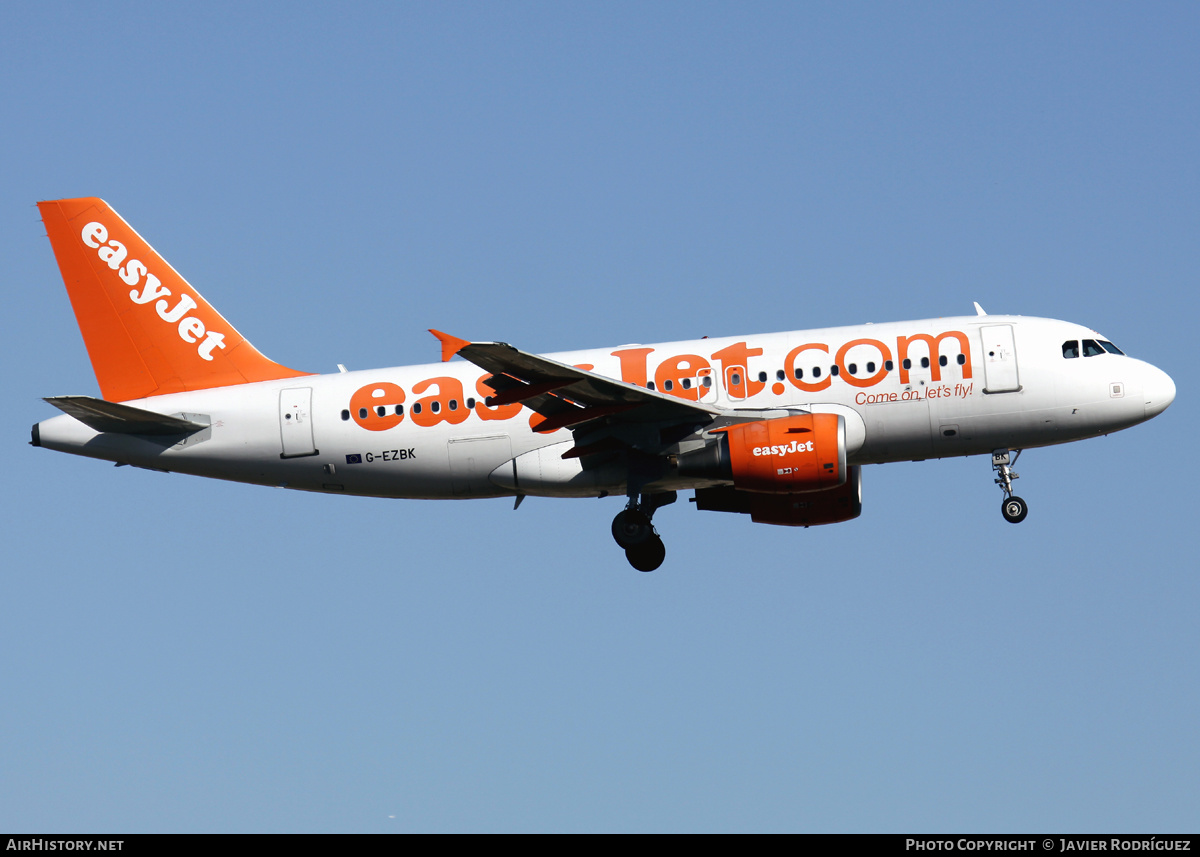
[(854, 381), (377, 407), (932, 344), (789, 366), (447, 406), (739, 385), (633, 365), (672, 372), (486, 412)]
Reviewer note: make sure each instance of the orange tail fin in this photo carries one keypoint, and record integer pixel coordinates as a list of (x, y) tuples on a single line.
[(146, 330)]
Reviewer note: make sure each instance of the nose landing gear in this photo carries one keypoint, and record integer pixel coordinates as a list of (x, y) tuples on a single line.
[(633, 531), (1013, 508)]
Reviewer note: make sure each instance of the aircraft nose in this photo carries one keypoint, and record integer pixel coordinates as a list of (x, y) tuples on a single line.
[(1159, 390)]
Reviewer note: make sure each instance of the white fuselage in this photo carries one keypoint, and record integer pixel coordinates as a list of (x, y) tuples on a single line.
[(1010, 387)]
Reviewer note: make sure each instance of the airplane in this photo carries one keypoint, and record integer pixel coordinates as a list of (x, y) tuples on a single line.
[(776, 426)]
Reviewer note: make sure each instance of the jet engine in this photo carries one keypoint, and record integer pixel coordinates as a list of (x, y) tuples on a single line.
[(787, 455)]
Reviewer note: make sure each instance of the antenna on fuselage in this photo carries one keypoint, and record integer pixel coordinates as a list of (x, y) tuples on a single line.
[(978, 308)]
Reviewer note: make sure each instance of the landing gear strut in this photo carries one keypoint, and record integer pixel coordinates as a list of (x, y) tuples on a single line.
[(633, 531), (1013, 508)]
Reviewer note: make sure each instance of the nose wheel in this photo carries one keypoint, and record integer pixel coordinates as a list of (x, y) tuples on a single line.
[(1014, 509), (633, 531)]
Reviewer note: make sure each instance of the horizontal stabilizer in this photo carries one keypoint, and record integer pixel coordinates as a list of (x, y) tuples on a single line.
[(109, 416)]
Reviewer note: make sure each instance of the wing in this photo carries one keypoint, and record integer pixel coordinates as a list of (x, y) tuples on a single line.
[(569, 397), (604, 415)]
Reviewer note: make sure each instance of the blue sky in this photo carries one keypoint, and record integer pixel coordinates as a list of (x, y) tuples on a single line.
[(185, 655)]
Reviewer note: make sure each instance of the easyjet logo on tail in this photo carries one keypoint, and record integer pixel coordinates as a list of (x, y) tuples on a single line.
[(191, 329)]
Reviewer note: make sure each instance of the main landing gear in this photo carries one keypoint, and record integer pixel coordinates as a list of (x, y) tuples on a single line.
[(633, 531), (1013, 508)]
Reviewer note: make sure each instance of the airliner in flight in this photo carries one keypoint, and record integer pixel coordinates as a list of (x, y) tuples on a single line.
[(777, 426)]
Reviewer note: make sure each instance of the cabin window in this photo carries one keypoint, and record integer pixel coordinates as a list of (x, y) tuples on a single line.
[(816, 371), (454, 404), (942, 361), (362, 413), (1091, 348), (345, 415), (888, 365), (686, 383), (779, 375), (907, 363), (799, 373), (852, 368), (399, 410), (833, 370), (435, 406), (668, 385), (735, 379), (649, 385), (470, 404), (762, 377), (960, 359), (871, 367), (1071, 349), (417, 408), (924, 362), (708, 380), (381, 410)]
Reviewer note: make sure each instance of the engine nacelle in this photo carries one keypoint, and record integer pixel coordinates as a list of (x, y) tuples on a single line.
[(789, 455), (830, 506)]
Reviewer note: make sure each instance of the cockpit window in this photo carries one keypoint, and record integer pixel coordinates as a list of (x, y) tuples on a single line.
[(1071, 349), (1091, 348), (1110, 348)]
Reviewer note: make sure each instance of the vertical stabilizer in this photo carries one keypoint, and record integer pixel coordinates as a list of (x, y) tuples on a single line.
[(147, 331)]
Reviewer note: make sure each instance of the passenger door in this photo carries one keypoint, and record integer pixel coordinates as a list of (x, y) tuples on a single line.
[(999, 359), (295, 422)]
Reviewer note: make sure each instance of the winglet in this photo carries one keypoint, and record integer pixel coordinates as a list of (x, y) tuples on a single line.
[(451, 345)]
